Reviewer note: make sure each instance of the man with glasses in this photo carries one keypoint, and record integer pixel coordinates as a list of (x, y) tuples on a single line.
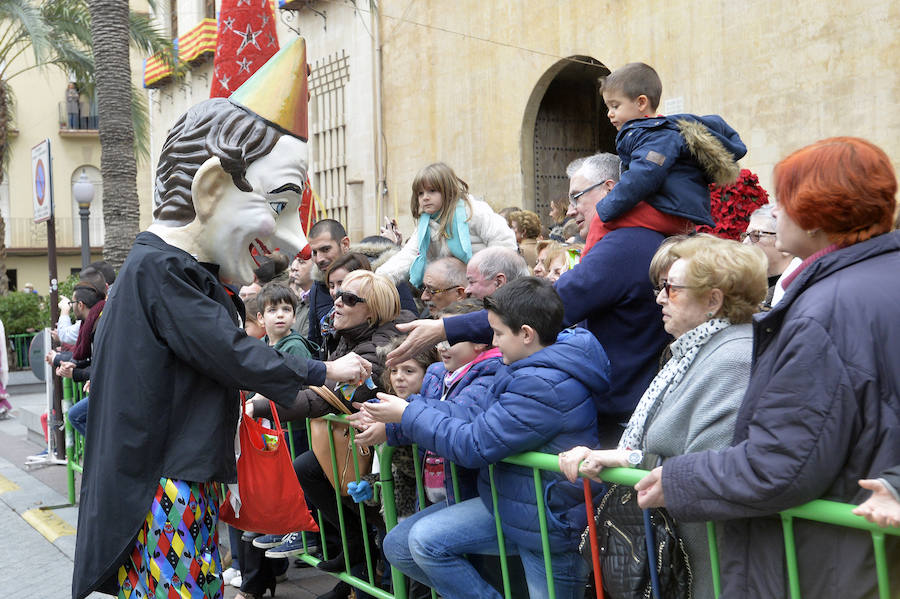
[(761, 233), (492, 268), (608, 293), (444, 282)]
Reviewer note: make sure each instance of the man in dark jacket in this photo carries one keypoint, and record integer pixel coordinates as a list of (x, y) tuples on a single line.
[(610, 292)]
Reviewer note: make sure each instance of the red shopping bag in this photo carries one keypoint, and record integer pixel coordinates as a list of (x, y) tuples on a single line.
[(271, 500)]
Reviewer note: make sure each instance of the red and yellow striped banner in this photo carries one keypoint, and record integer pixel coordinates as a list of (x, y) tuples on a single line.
[(198, 41)]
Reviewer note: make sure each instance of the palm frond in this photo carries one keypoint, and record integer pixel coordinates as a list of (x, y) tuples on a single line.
[(141, 123), (25, 24)]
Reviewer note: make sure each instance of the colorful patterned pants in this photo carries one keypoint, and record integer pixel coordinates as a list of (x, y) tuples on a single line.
[(176, 555)]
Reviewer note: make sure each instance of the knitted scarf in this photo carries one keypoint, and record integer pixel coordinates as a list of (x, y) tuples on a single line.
[(459, 243), (684, 350)]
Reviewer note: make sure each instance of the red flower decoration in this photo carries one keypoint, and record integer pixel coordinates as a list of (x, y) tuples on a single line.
[(731, 205)]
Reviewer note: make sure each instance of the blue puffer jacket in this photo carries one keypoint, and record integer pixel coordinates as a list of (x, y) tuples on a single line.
[(670, 162), (466, 393), (546, 402)]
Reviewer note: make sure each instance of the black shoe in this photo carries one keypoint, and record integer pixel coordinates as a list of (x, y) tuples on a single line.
[(340, 591), (335, 564)]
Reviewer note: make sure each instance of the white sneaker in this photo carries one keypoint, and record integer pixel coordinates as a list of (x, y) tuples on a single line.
[(236, 581), (230, 574)]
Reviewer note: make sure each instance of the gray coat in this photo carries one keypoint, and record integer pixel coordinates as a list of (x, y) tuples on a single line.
[(698, 414), (821, 412)]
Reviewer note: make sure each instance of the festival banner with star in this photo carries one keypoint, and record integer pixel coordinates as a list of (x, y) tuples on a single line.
[(246, 40)]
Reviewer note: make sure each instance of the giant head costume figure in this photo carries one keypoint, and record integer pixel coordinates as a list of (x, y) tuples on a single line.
[(232, 172)]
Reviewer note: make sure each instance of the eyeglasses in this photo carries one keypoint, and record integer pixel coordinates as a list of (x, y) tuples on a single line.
[(349, 299), (755, 235), (573, 197), (432, 292), (668, 287)]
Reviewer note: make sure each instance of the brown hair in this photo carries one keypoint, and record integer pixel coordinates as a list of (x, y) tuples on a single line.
[(425, 358), (529, 222), (633, 80), (350, 261), (440, 177)]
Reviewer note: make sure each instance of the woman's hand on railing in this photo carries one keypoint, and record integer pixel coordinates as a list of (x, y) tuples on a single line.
[(650, 490), (881, 508), (584, 461), (569, 461)]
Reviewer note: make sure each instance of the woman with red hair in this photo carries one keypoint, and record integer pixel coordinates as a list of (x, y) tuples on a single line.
[(822, 409)]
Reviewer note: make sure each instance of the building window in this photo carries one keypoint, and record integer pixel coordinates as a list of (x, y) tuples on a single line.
[(209, 9), (328, 134)]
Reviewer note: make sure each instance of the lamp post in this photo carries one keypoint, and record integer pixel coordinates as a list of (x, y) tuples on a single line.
[(83, 192)]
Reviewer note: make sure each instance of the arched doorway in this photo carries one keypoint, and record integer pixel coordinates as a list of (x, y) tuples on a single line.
[(565, 118)]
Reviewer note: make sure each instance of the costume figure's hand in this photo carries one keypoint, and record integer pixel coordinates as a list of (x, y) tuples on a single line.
[(376, 433), (422, 335), (881, 508), (389, 408), (650, 490), (348, 369)]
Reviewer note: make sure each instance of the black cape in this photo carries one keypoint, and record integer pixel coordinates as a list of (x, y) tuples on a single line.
[(169, 358)]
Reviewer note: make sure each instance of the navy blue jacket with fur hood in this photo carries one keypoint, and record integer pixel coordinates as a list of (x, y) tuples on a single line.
[(546, 402), (669, 162)]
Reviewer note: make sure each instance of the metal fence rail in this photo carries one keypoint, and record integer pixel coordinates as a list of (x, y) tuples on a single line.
[(828, 512)]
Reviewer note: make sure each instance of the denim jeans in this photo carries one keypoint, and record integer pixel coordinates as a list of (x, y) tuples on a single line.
[(78, 414), (429, 546)]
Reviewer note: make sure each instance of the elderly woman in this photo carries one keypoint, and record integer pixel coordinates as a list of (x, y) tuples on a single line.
[(822, 409), (709, 289), (366, 312)]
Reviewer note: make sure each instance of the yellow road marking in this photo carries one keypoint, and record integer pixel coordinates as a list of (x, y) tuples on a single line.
[(48, 523), (7, 485)]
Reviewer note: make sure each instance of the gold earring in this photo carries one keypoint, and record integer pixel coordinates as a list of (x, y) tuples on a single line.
[(812, 232)]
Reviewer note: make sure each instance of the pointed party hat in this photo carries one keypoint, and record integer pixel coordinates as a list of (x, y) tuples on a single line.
[(278, 92)]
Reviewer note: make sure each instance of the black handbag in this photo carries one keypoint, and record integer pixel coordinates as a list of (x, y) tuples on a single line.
[(622, 542)]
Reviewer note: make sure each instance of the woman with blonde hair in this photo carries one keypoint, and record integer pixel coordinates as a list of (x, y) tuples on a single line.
[(450, 223), (366, 314), (822, 409), (709, 289)]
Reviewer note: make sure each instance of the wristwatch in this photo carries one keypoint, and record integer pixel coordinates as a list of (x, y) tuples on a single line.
[(635, 457)]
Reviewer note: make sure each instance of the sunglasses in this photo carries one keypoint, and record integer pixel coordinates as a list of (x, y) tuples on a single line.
[(668, 287), (349, 299)]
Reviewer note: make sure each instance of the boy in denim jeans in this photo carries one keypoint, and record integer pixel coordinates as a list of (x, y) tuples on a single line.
[(542, 399)]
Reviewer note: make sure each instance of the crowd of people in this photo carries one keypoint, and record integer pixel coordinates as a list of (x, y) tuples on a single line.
[(747, 377)]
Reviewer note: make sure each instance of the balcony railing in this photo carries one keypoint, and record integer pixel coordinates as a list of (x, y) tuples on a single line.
[(85, 120), (24, 233)]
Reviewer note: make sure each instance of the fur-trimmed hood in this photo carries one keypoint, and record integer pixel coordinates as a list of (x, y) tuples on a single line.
[(712, 146)]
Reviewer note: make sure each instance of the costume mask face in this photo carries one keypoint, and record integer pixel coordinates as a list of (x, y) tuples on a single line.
[(234, 222)]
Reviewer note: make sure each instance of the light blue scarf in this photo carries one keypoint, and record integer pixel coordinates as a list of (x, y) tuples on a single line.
[(459, 243)]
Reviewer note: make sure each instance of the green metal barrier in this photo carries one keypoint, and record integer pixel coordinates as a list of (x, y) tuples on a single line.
[(20, 344), (72, 394), (828, 512)]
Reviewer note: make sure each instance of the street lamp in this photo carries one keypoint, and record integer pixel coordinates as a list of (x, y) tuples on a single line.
[(83, 192)]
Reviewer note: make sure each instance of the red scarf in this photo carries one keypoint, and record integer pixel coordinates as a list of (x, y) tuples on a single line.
[(642, 215), (86, 332), (809, 260)]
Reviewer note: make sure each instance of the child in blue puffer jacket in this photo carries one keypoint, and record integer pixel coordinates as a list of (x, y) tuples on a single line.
[(544, 398)]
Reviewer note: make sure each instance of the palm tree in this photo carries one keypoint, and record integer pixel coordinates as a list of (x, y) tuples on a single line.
[(58, 33)]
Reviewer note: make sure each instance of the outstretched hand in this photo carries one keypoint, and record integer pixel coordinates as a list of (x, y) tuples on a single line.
[(389, 408), (422, 335), (881, 508), (348, 369)]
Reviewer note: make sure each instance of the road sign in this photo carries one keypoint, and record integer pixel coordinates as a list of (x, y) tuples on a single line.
[(42, 189)]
